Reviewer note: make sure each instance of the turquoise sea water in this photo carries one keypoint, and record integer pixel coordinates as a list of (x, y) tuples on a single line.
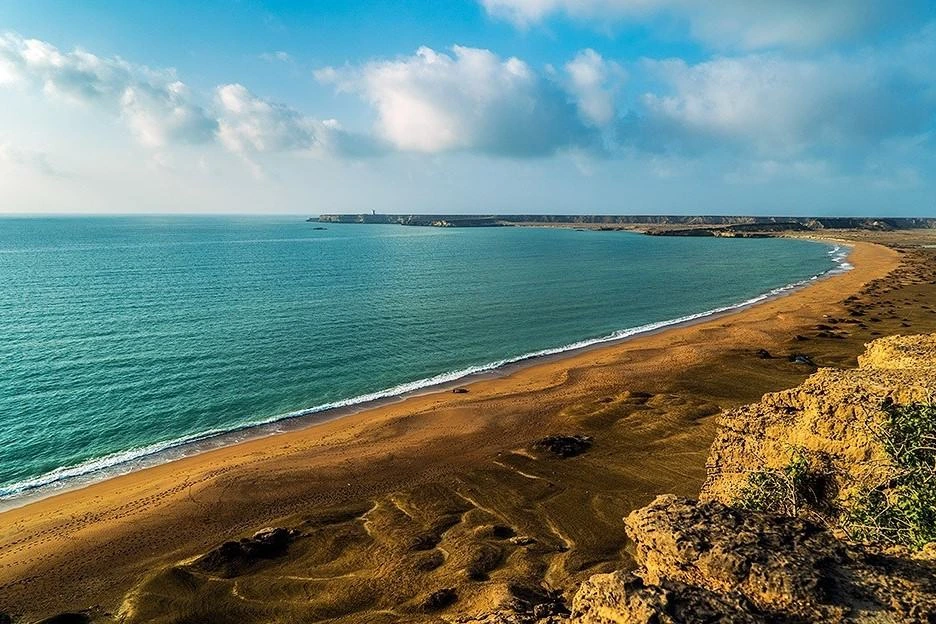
[(122, 337)]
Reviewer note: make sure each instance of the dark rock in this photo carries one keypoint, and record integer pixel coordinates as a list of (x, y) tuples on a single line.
[(485, 558), (564, 445), (428, 561), (231, 557), (801, 358), (537, 603), (501, 531), (763, 354), (440, 599), (424, 541)]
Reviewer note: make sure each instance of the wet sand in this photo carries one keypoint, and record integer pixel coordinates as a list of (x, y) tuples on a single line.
[(441, 490)]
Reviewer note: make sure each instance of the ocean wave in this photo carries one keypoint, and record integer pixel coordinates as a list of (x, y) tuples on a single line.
[(153, 454)]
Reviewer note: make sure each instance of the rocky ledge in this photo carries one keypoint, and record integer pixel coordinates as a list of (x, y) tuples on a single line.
[(708, 562)]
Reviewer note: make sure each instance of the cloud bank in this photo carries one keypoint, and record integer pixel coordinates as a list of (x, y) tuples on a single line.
[(160, 110), (155, 104), (777, 106), (800, 113), (473, 100)]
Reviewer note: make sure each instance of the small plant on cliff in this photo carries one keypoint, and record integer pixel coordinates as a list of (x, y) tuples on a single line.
[(901, 510), (780, 490)]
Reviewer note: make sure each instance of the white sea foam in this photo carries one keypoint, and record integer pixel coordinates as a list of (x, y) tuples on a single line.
[(127, 461)]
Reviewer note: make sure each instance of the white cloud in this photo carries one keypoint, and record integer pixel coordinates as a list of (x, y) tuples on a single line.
[(780, 106), (249, 123), (749, 24), (155, 104), (165, 115), (770, 107), (161, 111), (594, 81), (471, 100)]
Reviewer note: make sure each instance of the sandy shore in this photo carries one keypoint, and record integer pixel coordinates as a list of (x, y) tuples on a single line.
[(648, 402)]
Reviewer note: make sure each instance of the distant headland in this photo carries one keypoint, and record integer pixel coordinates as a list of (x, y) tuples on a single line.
[(663, 225)]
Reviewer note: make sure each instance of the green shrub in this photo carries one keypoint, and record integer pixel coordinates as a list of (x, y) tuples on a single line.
[(780, 490), (901, 510)]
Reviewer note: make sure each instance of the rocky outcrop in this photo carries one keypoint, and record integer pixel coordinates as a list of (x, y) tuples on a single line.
[(707, 562), (232, 558), (564, 445), (900, 353), (770, 539), (832, 421)]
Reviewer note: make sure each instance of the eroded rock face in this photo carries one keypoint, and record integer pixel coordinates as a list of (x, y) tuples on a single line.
[(831, 419), (900, 352), (624, 598), (706, 562), (525, 605)]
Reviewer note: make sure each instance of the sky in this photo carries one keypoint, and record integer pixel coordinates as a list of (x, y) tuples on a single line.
[(781, 107)]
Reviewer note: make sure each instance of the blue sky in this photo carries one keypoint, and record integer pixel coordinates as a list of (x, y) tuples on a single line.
[(562, 106)]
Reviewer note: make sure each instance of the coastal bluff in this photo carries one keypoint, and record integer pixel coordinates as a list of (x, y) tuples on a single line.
[(812, 511), (660, 225)]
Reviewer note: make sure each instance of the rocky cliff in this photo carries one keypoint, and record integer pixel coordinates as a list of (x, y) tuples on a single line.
[(819, 507)]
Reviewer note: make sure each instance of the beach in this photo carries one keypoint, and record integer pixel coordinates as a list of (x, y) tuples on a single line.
[(437, 490)]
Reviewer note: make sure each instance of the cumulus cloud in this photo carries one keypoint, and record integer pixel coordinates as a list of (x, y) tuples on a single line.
[(780, 106), (750, 24), (165, 114), (472, 100), (155, 104), (766, 107), (160, 110), (250, 124), (594, 81)]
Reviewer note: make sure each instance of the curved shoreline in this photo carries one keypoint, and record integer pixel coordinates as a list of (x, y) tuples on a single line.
[(99, 469), (97, 545)]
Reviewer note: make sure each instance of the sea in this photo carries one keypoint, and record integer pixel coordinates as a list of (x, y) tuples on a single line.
[(128, 341)]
